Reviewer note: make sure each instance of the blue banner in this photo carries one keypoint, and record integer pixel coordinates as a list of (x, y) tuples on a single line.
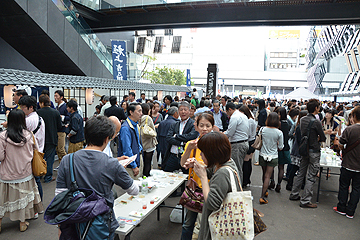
[(119, 59), (188, 78)]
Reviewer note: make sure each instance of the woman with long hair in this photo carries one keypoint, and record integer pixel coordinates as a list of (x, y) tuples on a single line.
[(272, 141), (295, 155), (283, 154), (19, 198), (216, 155), (148, 142), (204, 124), (156, 116), (124, 106), (260, 117), (247, 166), (330, 127)]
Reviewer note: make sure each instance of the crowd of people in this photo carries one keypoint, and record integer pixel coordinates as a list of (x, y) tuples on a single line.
[(196, 135)]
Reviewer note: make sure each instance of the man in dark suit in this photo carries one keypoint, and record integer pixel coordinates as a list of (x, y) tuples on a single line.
[(52, 121), (163, 130), (115, 110), (142, 99), (179, 134)]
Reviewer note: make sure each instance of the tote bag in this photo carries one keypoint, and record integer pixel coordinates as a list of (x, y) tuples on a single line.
[(234, 219), (147, 130), (258, 141), (38, 163)]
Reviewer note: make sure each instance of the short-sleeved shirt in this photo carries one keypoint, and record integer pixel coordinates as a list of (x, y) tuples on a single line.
[(272, 140), (351, 160), (94, 170)]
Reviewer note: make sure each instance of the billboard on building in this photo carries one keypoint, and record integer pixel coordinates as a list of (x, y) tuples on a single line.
[(284, 34)]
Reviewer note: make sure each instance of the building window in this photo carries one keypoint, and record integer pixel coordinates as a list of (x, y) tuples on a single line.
[(158, 44), (176, 44), (140, 45)]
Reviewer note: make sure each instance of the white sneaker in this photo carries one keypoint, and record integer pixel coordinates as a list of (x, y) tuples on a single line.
[(36, 216), (55, 169)]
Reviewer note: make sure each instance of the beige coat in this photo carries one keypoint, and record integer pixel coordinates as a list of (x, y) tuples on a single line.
[(148, 142)]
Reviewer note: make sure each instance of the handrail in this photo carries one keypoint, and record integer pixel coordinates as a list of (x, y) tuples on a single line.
[(80, 25)]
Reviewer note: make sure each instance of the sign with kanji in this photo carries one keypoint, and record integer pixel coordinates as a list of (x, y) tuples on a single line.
[(211, 80), (119, 59)]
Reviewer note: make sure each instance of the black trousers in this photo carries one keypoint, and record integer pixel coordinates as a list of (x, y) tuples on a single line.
[(147, 158), (247, 169), (293, 170), (345, 204), (173, 163)]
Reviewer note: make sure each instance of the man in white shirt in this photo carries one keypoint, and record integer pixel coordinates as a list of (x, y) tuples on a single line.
[(238, 134), (205, 108), (106, 106), (35, 124), (220, 118), (223, 101), (142, 98)]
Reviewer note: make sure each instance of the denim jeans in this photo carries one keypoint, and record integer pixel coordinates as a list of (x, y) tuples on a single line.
[(37, 180), (345, 204), (188, 226), (49, 157)]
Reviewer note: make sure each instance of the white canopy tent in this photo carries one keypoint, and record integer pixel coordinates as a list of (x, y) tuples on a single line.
[(301, 93)]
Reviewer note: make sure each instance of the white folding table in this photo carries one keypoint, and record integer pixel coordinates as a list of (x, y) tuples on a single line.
[(165, 187)]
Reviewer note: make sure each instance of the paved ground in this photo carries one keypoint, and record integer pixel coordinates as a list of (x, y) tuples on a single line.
[(284, 218)]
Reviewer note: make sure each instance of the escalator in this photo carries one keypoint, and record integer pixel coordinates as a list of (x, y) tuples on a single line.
[(54, 37)]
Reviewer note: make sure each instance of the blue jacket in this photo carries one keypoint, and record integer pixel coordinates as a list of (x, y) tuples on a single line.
[(64, 112), (129, 142), (76, 125)]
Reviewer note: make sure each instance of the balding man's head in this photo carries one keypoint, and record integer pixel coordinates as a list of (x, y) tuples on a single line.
[(117, 123)]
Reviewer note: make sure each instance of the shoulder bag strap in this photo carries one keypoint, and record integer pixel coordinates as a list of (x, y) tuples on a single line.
[(233, 185), (74, 185), (34, 140), (232, 180), (157, 118), (38, 126), (308, 133), (309, 126), (191, 174), (348, 149)]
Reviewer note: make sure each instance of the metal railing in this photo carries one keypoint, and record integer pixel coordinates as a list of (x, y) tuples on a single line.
[(80, 25)]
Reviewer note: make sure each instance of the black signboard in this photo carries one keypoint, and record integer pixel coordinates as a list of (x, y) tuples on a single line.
[(211, 80)]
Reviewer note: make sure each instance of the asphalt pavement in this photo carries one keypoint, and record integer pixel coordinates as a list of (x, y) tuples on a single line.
[(284, 218)]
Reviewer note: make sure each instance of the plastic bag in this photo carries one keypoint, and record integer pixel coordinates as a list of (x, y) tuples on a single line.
[(175, 215)]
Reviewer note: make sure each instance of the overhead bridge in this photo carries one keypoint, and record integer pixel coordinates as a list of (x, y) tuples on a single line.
[(197, 14)]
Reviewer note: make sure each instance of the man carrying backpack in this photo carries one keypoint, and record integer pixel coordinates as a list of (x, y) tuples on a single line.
[(310, 162)]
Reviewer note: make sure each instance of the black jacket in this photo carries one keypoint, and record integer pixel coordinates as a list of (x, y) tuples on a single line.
[(174, 138), (224, 120), (162, 132), (53, 125), (115, 111), (317, 134)]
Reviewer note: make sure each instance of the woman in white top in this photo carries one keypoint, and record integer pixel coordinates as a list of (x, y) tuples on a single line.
[(247, 166), (272, 140)]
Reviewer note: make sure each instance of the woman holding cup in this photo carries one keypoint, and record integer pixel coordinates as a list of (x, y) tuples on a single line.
[(204, 124)]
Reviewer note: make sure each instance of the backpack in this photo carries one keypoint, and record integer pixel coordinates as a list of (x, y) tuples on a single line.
[(304, 143), (81, 213)]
